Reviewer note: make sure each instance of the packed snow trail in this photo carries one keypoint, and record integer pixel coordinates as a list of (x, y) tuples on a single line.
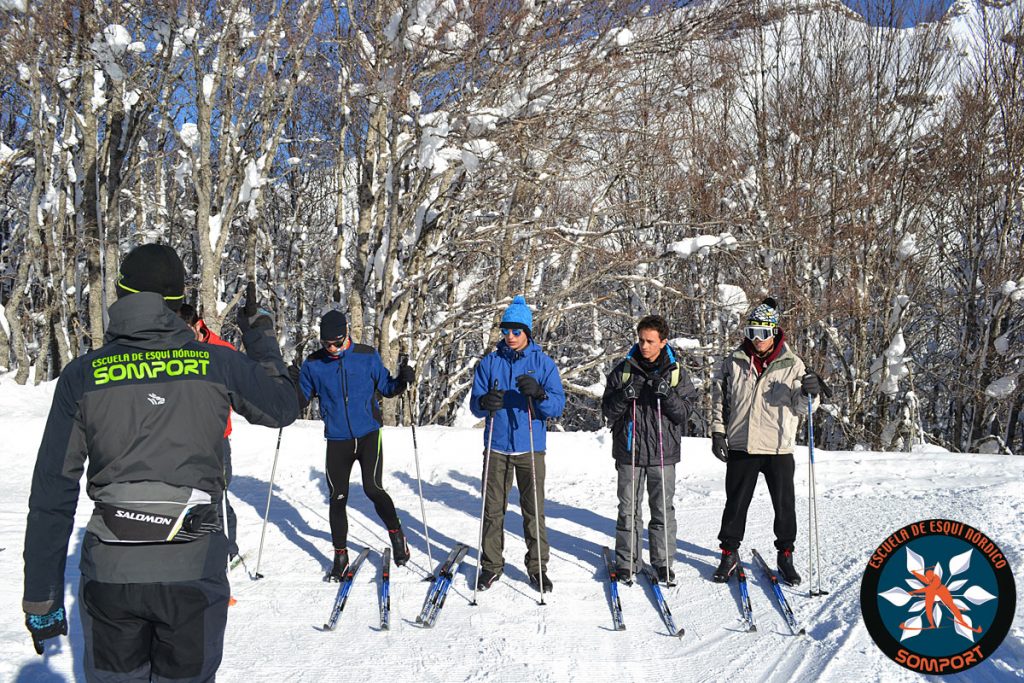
[(272, 636)]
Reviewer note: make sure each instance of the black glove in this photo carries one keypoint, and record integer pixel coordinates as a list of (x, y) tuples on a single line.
[(250, 316), (406, 374), (810, 384), (293, 371), (530, 387), (493, 400), (661, 386), (719, 447), (629, 391), (44, 626)]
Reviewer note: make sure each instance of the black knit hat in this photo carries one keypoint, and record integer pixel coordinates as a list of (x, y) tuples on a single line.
[(153, 268), (333, 325)]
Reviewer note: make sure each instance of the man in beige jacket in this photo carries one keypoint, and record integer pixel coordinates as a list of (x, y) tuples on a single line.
[(758, 396)]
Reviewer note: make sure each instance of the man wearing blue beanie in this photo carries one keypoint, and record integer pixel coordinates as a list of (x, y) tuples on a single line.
[(517, 387)]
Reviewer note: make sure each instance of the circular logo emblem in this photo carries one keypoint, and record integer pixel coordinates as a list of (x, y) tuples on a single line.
[(938, 596)]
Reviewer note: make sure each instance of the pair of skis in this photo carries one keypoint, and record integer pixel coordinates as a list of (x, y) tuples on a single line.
[(659, 596), (348, 579), (780, 597), (440, 585), (436, 597)]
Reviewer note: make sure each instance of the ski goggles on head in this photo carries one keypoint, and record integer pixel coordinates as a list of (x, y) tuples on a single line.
[(515, 332), (757, 333)]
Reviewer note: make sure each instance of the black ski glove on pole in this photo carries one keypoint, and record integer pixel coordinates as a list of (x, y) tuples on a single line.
[(252, 317), (530, 387), (493, 400)]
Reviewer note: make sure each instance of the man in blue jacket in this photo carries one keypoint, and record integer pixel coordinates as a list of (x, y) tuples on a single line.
[(347, 377), (511, 382)]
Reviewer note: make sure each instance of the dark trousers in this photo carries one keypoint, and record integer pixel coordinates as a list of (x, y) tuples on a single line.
[(740, 480), (341, 456), (499, 484), (153, 631), (655, 479)]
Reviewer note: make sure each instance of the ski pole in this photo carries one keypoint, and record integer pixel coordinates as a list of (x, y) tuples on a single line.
[(402, 360), (669, 554), (536, 505), (266, 515), (632, 496), (483, 506), (812, 507)]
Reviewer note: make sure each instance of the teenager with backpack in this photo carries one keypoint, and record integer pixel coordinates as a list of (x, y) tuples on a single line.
[(647, 400)]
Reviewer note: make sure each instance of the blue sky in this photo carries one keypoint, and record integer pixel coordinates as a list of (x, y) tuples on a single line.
[(909, 12)]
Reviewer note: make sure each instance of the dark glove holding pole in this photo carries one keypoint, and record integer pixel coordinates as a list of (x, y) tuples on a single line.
[(45, 626), (294, 370), (530, 387), (719, 447), (493, 400), (406, 374), (661, 386), (250, 316), (810, 384)]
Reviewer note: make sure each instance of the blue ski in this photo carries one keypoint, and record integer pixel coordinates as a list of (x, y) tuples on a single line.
[(666, 613), (385, 590), (344, 589), (613, 587), (787, 611)]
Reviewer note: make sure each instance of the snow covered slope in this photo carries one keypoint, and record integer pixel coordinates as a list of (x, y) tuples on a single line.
[(272, 632)]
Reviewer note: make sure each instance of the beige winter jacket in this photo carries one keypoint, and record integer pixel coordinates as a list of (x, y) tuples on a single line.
[(759, 415)]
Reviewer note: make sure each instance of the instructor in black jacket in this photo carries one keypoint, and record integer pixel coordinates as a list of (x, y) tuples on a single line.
[(144, 418)]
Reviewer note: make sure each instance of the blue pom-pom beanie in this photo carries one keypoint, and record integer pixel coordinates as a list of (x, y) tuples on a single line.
[(518, 313)]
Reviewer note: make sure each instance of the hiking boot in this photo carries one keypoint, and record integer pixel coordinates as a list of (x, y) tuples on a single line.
[(535, 582), (487, 579), (340, 565), (623, 574), (726, 567), (666, 576), (399, 547), (786, 568)]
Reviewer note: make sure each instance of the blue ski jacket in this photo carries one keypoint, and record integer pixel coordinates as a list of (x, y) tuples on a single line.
[(347, 385), (511, 426)]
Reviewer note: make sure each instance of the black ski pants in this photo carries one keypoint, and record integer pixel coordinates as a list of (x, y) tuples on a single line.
[(341, 456), (741, 474), (153, 631)]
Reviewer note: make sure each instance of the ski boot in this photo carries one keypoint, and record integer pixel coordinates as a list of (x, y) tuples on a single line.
[(786, 568), (340, 565), (399, 546), (726, 567)]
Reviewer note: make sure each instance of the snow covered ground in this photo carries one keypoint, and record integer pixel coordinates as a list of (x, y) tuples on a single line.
[(272, 632)]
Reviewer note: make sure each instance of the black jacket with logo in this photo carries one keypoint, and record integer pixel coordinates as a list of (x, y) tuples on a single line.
[(675, 410), (147, 412)]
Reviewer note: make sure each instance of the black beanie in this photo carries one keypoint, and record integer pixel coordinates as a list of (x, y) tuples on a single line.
[(333, 325), (153, 268)]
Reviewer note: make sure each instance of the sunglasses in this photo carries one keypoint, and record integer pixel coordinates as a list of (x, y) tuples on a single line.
[(759, 333), (333, 343), (515, 333)]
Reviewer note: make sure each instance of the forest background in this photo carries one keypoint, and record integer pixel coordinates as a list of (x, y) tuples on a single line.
[(416, 163)]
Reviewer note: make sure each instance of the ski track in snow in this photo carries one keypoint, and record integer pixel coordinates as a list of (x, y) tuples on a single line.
[(272, 631)]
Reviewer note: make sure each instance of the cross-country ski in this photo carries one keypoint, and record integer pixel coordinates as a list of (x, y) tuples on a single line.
[(347, 581), (773, 580)]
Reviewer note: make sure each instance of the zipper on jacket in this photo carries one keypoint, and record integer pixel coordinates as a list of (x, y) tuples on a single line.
[(344, 391)]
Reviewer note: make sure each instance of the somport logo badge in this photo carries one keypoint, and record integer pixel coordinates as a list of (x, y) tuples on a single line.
[(938, 596)]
